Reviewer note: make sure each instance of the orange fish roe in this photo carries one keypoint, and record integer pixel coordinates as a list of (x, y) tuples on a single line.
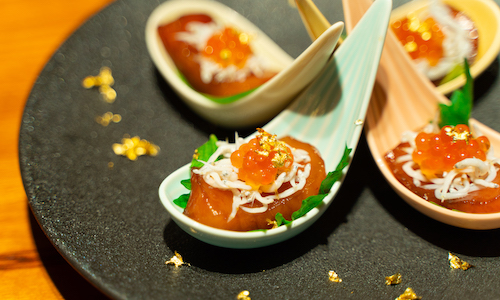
[(261, 159), (421, 39), (228, 47), (438, 153)]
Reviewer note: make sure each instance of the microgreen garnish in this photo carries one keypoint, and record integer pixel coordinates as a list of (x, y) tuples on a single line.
[(204, 152), (454, 73), (313, 201), (182, 200), (461, 103), (186, 183)]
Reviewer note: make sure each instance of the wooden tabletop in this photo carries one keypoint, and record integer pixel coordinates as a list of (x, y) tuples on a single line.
[(30, 32)]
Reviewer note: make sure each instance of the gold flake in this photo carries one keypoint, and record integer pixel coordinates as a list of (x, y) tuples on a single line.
[(89, 82), (333, 276), (410, 47), (134, 147), (457, 263), (104, 80), (268, 142), (225, 54), (244, 38), (414, 24), (426, 35), (176, 260), (107, 118), (274, 223), (463, 136), (243, 295), (393, 279), (409, 294), (111, 165)]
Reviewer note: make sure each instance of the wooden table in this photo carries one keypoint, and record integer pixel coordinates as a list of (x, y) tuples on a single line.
[(30, 32)]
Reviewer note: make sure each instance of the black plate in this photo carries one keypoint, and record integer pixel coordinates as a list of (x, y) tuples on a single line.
[(110, 225)]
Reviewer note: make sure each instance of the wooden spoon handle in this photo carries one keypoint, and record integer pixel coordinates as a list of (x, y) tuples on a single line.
[(314, 21)]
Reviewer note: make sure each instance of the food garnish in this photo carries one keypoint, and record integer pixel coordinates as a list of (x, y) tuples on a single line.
[(214, 59), (326, 185), (408, 294), (394, 279), (243, 295), (438, 39), (259, 182), (457, 263), (446, 164), (333, 276), (107, 118), (176, 260), (104, 80), (133, 147)]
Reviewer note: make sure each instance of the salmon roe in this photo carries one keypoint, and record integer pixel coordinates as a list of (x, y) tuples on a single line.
[(438, 153), (228, 47), (421, 39), (262, 159)]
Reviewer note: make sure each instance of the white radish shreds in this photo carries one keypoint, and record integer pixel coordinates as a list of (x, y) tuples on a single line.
[(468, 175), (221, 174)]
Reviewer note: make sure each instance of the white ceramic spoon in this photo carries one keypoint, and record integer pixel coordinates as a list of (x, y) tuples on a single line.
[(266, 101), (402, 100), (329, 114)]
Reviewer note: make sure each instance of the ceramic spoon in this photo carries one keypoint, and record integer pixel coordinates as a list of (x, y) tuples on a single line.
[(402, 100), (266, 101), (329, 114)]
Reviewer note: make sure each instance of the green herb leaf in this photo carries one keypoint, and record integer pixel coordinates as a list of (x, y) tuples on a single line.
[(205, 151), (313, 201), (307, 205), (182, 200), (334, 176), (461, 103), (220, 100), (186, 183), (454, 73), (280, 220)]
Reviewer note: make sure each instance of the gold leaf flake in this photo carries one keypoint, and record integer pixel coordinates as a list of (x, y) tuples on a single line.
[(393, 279), (334, 277), (134, 147), (457, 263), (243, 295), (176, 260), (107, 118), (409, 294), (104, 81), (274, 223)]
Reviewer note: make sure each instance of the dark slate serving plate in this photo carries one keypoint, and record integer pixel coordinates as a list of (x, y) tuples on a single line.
[(110, 225)]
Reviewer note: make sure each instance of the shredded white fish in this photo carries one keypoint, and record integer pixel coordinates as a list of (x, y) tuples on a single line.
[(198, 34), (468, 175), (221, 174)]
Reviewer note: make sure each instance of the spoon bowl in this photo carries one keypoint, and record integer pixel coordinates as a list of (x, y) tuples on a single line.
[(403, 99), (264, 102), (486, 17), (329, 114)]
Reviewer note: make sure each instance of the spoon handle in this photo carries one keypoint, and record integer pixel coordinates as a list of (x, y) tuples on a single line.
[(314, 21)]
